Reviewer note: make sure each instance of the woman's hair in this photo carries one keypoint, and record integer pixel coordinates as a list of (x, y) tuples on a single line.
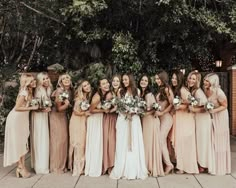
[(213, 79), (59, 83), (198, 81), (112, 89), (99, 91), (163, 76), (147, 89), (132, 85), (25, 80), (180, 82), (79, 93), (40, 87)]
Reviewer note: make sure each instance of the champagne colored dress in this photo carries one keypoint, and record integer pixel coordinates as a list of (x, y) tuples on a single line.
[(204, 132), (77, 132), (185, 140), (94, 145), (166, 122), (40, 138), (152, 140), (58, 138), (16, 134), (221, 139)]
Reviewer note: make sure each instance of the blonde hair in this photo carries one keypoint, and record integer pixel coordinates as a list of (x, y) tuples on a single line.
[(213, 79), (59, 83), (40, 87), (25, 81), (79, 94), (198, 78)]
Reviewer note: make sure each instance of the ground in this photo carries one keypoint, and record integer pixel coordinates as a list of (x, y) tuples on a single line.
[(8, 179)]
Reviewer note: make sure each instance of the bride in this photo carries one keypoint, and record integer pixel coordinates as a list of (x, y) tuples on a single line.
[(129, 157)]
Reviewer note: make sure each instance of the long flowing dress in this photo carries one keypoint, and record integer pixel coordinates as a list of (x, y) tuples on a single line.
[(109, 141), (166, 122), (204, 130), (152, 140), (94, 145), (185, 144), (40, 138), (16, 134), (221, 139), (58, 138), (77, 130), (129, 164)]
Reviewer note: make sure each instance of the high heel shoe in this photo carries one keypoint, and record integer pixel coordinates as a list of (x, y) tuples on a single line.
[(169, 169), (22, 172)]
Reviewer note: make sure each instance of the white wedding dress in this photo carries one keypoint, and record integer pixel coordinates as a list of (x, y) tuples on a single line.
[(129, 164)]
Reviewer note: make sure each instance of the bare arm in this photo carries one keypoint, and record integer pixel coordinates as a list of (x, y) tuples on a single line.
[(20, 105), (94, 104)]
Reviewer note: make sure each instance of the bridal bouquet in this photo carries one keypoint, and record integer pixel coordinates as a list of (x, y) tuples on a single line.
[(176, 101), (106, 105), (209, 106), (34, 102), (84, 105), (63, 96), (156, 106), (192, 100), (46, 103)]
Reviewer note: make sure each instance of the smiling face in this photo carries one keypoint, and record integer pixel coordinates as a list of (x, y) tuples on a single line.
[(104, 85), (144, 82), (158, 80), (66, 80), (125, 80), (45, 81), (86, 87), (206, 84), (115, 82), (174, 80), (33, 83), (192, 81)]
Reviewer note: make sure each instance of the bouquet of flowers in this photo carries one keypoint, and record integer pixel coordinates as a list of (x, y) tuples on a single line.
[(46, 102), (176, 101), (84, 105), (156, 106), (192, 100), (114, 101), (209, 106), (34, 102), (106, 105), (63, 96)]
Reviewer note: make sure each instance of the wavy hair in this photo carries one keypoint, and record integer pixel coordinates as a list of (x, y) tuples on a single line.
[(180, 82), (163, 76), (147, 89), (40, 77), (79, 93), (132, 85), (213, 79), (198, 81)]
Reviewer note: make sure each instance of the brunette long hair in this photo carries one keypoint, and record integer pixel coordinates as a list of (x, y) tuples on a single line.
[(163, 76), (180, 82), (147, 89), (132, 85)]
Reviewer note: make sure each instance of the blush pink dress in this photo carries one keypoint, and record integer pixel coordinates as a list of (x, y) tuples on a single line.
[(152, 140), (221, 139), (185, 140)]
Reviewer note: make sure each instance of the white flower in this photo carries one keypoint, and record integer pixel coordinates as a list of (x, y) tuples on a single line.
[(63, 96), (156, 106), (192, 100), (106, 105), (209, 106), (84, 105), (34, 102), (176, 101)]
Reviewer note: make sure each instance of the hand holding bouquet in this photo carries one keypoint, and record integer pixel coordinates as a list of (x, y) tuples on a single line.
[(156, 106), (84, 105), (106, 105), (63, 96), (192, 100), (209, 106), (176, 102)]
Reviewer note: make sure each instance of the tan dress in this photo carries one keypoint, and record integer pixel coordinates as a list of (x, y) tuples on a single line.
[(166, 122), (185, 141), (77, 130), (152, 140), (58, 138), (221, 139), (204, 130), (109, 141), (16, 134)]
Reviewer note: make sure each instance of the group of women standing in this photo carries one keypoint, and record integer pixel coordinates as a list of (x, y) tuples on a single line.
[(95, 140)]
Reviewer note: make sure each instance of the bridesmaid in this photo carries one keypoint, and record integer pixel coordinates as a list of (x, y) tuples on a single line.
[(165, 98), (185, 143), (77, 128), (151, 131), (59, 125), (17, 127), (220, 120), (203, 124), (39, 128), (109, 129), (94, 138)]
